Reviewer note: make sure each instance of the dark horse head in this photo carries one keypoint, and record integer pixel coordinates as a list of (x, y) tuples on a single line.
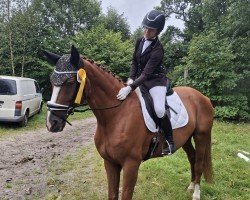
[(65, 86)]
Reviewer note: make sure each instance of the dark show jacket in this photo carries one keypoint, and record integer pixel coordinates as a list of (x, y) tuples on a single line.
[(147, 68)]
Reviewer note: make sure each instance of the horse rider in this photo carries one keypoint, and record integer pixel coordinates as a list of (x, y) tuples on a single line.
[(147, 70)]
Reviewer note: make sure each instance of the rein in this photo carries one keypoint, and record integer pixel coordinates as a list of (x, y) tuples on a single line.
[(105, 108)]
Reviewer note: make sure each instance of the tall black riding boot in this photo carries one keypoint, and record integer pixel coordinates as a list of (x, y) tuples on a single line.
[(166, 127)]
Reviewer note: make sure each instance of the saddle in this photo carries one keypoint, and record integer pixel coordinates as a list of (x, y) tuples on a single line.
[(175, 109)]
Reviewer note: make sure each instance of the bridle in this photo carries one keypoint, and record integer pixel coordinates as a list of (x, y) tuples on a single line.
[(53, 107)]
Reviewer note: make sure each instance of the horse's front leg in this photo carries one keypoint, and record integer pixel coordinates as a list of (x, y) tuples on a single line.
[(113, 174), (130, 173)]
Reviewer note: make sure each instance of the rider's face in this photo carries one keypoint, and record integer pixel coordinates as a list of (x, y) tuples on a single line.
[(149, 33)]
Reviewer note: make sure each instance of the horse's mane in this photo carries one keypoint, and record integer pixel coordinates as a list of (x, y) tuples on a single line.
[(100, 66)]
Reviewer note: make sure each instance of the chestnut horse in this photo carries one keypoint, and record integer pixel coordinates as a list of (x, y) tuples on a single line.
[(121, 137)]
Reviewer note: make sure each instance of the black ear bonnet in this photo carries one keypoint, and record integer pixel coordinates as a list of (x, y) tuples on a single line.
[(63, 65)]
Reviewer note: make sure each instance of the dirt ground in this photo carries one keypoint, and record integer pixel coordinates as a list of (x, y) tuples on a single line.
[(25, 158)]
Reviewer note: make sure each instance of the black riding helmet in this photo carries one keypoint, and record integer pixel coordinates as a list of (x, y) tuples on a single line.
[(154, 20)]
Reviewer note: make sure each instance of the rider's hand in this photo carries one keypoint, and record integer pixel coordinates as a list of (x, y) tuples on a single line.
[(130, 81), (123, 93)]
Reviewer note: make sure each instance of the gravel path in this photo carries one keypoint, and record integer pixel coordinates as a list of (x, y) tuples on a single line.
[(24, 159)]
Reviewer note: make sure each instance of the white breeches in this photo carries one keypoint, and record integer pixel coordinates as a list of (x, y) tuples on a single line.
[(158, 94)]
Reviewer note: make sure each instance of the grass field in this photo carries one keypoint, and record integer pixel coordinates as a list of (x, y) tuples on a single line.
[(82, 175)]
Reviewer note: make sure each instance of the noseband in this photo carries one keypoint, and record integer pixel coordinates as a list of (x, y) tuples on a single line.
[(52, 107)]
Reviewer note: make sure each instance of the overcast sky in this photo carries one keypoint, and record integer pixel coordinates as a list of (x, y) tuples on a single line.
[(135, 10)]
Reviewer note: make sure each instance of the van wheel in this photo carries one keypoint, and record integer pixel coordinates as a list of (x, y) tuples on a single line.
[(24, 122)]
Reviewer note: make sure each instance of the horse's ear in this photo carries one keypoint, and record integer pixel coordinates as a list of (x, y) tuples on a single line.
[(75, 57), (51, 56)]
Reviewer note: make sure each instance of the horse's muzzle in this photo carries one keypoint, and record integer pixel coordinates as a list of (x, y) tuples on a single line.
[(54, 124)]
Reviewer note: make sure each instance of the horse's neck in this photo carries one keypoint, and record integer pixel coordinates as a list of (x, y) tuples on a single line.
[(101, 91)]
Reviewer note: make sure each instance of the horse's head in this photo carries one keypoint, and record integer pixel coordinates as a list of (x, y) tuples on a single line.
[(65, 86)]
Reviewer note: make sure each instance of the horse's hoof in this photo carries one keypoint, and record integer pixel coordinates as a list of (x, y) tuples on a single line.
[(190, 190), (196, 196)]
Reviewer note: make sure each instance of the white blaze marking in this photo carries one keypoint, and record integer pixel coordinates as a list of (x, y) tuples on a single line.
[(53, 99), (55, 93)]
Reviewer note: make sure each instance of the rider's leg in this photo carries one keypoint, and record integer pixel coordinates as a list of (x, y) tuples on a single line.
[(158, 94), (168, 132)]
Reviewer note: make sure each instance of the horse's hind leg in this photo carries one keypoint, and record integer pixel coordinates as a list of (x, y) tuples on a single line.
[(190, 151), (113, 174), (202, 141), (195, 157)]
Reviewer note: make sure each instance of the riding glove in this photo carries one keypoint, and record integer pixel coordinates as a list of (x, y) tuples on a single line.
[(130, 81), (123, 93)]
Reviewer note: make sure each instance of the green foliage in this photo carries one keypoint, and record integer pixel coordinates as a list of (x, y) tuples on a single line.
[(106, 47), (41, 24), (174, 47), (211, 70), (137, 34), (211, 58), (190, 11), (213, 12), (68, 17), (218, 63), (116, 22)]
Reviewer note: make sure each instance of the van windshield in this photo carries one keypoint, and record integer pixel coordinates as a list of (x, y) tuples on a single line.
[(7, 87)]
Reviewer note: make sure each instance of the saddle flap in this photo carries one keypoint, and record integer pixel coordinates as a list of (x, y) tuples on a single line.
[(178, 112)]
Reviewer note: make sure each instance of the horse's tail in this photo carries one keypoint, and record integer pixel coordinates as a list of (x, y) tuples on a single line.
[(207, 164)]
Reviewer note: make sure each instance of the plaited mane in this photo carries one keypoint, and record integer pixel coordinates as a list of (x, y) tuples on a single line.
[(103, 68)]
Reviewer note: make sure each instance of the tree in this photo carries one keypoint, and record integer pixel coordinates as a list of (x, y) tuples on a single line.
[(190, 11), (217, 63), (8, 8), (61, 20), (214, 12), (116, 22), (137, 34), (68, 17), (106, 47), (175, 48), (40, 24), (211, 70), (236, 26)]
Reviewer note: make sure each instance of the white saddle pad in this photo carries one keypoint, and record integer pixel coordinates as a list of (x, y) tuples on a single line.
[(179, 117)]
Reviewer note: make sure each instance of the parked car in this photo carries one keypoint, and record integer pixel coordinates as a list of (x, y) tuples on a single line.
[(20, 98)]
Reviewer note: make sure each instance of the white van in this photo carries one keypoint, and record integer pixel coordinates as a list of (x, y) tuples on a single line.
[(20, 98)]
